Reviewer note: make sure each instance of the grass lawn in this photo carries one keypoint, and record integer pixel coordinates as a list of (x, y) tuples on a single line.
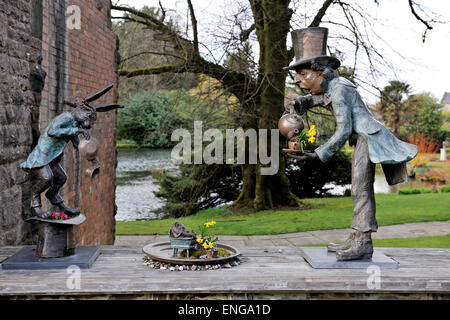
[(325, 213), (419, 242)]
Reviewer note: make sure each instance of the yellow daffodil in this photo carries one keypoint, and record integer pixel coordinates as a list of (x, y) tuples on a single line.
[(205, 245), (209, 224), (211, 245), (311, 134), (199, 240), (312, 131)]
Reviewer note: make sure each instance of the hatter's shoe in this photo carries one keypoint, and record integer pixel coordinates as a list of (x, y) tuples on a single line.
[(333, 247), (41, 214), (67, 210), (360, 248)]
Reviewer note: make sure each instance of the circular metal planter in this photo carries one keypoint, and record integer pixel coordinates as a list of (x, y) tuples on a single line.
[(161, 251)]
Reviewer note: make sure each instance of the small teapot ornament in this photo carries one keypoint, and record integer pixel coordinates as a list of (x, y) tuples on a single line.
[(290, 125)]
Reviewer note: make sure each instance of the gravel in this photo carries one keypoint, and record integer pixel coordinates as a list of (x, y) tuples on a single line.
[(152, 264)]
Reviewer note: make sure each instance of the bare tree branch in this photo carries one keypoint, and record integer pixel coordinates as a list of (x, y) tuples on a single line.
[(151, 52), (149, 71), (246, 33), (315, 23), (321, 13), (163, 11), (154, 23), (194, 26), (193, 62), (427, 25)]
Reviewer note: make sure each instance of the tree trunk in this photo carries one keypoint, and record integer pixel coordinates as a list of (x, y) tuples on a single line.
[(272, 26)]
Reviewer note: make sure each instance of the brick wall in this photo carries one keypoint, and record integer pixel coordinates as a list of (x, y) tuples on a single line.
[(93, 65), (77, 62)]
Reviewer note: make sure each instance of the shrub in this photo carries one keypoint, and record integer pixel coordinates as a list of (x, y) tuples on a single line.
[(198, 187), (414, 190), (445, 188), (307, 178), (202, 186), (408, 191), (424, 144), (434, 176), (149, 118), (426, 190)]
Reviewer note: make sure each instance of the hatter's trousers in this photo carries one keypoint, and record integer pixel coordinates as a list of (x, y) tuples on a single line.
[(51, 177), (363, 177)]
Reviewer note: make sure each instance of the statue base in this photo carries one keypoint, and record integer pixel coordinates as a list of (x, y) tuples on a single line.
[(56, 238), (321, 258), (26, 259)]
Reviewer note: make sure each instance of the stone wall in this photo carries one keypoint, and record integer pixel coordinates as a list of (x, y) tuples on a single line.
[(19, 51), (77, 61)]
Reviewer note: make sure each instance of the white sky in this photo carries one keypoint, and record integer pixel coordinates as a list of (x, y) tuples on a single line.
[(425, 66)]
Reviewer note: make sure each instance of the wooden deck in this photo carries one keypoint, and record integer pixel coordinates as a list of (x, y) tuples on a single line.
[(272, 273)]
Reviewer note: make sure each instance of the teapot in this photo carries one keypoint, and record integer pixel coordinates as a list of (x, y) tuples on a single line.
[(290, 125)]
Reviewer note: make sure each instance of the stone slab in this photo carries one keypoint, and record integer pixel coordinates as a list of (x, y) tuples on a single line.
[(26, 259), (321, 258)]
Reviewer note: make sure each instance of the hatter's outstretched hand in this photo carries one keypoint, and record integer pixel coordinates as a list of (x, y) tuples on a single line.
[(305, 156)]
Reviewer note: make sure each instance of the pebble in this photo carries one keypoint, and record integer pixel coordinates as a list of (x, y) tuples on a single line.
[(164, 266)]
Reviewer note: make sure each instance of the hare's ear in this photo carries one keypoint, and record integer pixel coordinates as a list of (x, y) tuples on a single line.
[(98, 94), (70, 104), (107, 107)]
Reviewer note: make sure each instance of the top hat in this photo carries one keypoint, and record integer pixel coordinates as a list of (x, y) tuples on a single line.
[(310, 45)]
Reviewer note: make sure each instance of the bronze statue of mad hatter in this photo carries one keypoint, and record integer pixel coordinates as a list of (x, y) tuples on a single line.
[(43, 163), (316, 72)]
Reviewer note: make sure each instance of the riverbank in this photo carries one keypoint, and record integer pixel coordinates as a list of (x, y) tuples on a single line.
[(323, 214)]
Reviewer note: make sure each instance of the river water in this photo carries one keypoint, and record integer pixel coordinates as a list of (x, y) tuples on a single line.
[(134, 193)]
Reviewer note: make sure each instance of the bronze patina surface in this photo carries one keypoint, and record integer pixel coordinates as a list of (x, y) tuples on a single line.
[(373, 142)]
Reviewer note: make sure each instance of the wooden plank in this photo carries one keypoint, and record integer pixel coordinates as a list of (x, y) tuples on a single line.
[(274, 273)]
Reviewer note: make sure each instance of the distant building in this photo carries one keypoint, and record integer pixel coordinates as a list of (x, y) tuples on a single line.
[(446, 101)]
